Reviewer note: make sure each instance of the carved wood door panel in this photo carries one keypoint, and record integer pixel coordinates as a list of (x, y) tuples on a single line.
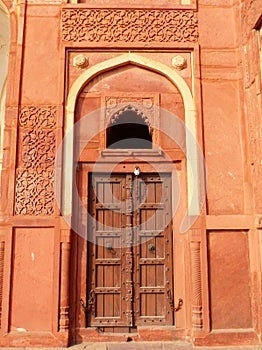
[(130, 268)]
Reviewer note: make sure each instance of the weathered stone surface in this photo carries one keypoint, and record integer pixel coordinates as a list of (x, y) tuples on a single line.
[(103, 58)]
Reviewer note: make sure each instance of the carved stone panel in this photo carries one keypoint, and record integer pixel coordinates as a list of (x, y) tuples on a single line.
[(38, 148), (34, 192), (38, 117), (133, 25)]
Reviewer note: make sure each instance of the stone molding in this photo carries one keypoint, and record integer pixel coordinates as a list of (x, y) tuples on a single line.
[(129, 25)]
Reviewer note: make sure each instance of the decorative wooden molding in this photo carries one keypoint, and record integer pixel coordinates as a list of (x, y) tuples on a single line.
[(197, 322), (34, 192), (129, 25)]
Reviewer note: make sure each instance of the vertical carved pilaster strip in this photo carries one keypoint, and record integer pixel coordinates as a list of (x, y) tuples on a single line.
[(2, 254), (129, 252), (64, 281), (197, 322)]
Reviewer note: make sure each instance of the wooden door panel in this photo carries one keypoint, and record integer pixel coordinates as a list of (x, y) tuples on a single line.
[(154, 251), (152, 246), (131, 257), (106, 286)]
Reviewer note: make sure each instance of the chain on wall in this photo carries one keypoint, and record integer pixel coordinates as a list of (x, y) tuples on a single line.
[(34, 194)]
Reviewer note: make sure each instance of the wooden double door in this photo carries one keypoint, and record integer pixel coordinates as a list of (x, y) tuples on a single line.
[(130, 257)]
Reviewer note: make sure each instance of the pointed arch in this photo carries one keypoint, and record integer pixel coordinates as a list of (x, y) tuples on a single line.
[(190, 120)]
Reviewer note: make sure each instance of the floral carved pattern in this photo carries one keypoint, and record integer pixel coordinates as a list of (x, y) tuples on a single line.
[(110, 25), (38, 148), (38, 117), (34, 192), (35, 175)]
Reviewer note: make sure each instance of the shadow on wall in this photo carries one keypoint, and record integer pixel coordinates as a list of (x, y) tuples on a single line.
[(4, 55)]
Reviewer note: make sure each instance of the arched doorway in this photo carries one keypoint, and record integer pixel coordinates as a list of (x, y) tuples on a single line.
[(128, 268)]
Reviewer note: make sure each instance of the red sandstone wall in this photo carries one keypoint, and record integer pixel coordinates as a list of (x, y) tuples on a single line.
[(229, 103)]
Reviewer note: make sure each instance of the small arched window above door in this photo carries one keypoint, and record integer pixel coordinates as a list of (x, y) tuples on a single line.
[(128, 131)]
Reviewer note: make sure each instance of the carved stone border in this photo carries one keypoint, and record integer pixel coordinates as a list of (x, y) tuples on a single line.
[(129, 26)]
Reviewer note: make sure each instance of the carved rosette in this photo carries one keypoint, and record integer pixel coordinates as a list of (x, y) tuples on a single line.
[(35, 172), (129, 25)]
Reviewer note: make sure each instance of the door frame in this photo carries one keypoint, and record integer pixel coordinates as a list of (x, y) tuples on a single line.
[(181, 272)]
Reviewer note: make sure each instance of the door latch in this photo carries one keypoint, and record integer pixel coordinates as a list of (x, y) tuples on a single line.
[(82, 303), (174, 306), (91, 301)]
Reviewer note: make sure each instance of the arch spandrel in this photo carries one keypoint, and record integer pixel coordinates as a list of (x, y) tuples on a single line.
[(134, 59)]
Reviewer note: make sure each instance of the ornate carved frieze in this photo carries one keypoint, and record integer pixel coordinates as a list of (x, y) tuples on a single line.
[(34, 192), (132, 25), (38, 148), (33, 117)]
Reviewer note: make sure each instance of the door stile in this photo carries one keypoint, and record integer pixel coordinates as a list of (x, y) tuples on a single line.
[(107, 290), (129, 251), (153, 280)]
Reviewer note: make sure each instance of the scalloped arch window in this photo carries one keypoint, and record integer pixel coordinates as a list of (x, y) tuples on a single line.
[(129, 131)]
